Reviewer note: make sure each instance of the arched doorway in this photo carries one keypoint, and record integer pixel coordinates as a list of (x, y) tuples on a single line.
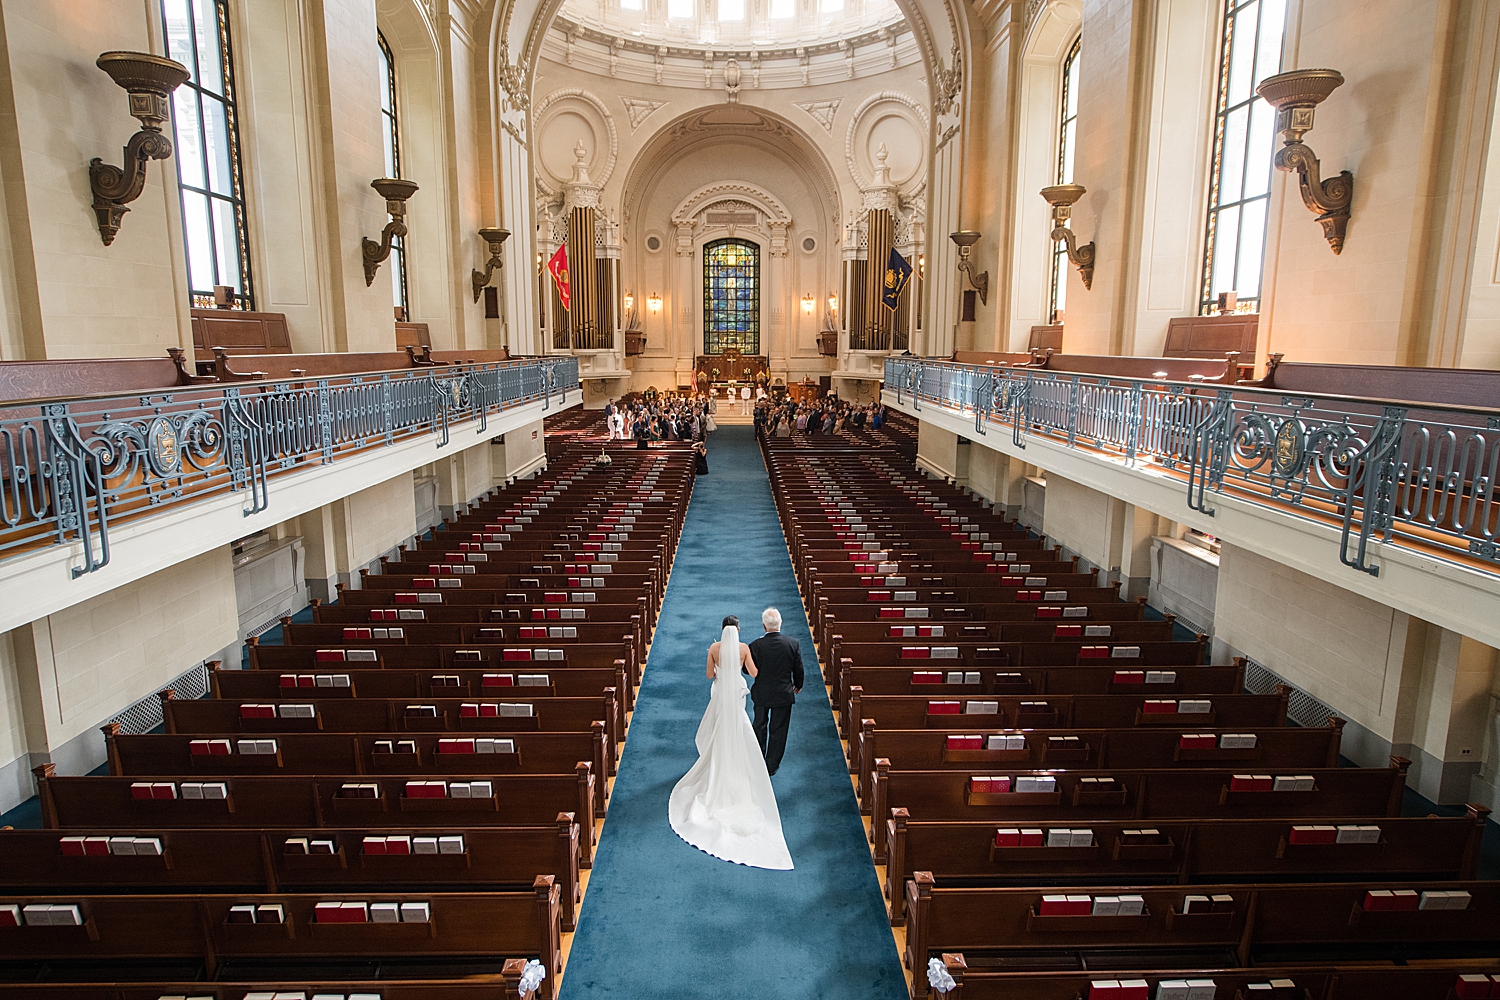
[(731, 297)]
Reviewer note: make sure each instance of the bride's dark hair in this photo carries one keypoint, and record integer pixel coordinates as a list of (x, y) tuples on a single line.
[(730, 620)]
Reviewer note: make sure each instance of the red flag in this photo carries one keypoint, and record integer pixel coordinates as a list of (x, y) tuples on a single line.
[(558, 266)]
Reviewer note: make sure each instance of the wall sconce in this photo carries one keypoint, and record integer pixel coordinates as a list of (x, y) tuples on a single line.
[(496, 239), (629, 301), (653, 302), (1061, 197), (149, 80), (966, 238), (807, 303), (395, 191), (833, 303), (1295, 95)]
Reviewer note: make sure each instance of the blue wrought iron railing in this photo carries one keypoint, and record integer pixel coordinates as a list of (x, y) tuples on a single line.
[(69, 468), (1417, 476)]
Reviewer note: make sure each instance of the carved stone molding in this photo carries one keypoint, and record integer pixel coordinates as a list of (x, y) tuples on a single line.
[(638, 109), (866, 106), (823, 112), (753, 195), (611, 134)]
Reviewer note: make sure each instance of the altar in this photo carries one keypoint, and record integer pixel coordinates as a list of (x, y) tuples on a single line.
[(731, 366)]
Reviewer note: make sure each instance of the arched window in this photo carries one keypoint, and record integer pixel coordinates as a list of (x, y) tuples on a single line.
[(731, 297), (206, 135), (1240, 171), (1067, 129), (392, 136)]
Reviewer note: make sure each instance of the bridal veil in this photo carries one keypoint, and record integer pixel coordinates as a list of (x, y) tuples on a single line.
[(724, 805)]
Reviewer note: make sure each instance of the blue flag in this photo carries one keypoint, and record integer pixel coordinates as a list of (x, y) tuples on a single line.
[(897, 274)]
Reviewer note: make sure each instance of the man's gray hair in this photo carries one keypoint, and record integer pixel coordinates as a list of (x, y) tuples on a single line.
[(770, 619)]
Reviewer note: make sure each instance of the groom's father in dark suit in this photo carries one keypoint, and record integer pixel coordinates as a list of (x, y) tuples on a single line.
[(778, 681)]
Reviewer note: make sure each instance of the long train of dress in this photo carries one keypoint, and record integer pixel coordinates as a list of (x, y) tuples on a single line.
[(724, 805)]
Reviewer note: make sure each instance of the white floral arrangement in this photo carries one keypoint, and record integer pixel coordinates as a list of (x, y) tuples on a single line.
[(532, 976), (937, 976)]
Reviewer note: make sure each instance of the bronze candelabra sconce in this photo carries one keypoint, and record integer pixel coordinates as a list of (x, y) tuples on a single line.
[(496, 239), (1062, 198), (149, 80), (965, 239), (395, 191), (1295, 96)]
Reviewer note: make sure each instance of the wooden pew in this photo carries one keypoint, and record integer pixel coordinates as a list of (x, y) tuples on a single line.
[(339, 753), (1069, 680), (1053, 653), (1236, 713), (1201, 851), (1264, 924), (504, 986), (276, 800), (1136, 748), (567, 681), (1079, 711), (394, 715), (493, 858), (993, 593), (471, 927), (1319, 982), (631, 617), (37, 380), (1146, 794)]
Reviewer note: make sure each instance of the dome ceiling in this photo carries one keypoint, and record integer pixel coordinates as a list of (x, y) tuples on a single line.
[(734, 24)]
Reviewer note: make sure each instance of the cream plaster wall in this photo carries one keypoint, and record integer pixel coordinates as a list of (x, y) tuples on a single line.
[(1401, 123), (71, 296), (937, 450), (518, 452), (12, 718), (1083, 521), (346, 89), (1110, 122), (1341, 648), (377, 519), (97, 657), (277, 125)]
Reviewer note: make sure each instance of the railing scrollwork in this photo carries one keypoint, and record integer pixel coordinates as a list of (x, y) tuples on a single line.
[(1382, 473), (70, 469)]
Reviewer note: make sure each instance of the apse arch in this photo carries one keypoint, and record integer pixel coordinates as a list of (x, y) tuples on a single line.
[(717, 124)]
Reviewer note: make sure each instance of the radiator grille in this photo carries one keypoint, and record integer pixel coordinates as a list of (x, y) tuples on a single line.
[(1302, 708), (145, 715), (1190, 625), (275, 620)]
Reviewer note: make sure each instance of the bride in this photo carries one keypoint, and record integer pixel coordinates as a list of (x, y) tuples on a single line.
[(724, 806)]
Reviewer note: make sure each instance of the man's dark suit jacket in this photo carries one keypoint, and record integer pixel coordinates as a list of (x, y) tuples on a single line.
[(778, 662)]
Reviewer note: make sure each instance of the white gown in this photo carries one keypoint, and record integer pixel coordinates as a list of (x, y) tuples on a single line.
[(724, 805)]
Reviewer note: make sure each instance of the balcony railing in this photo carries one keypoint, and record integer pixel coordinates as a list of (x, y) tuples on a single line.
[(1417, 476), (71, 468)]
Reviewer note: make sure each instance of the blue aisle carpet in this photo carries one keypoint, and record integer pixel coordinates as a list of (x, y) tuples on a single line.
[(662, 919)]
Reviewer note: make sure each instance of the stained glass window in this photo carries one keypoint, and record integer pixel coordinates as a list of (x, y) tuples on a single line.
[(392, 138), (731, 297), (1244, 134), (1067, 128), (206, 135)]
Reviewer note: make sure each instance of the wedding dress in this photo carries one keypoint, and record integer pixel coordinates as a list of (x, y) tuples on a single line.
[(724, 805)]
